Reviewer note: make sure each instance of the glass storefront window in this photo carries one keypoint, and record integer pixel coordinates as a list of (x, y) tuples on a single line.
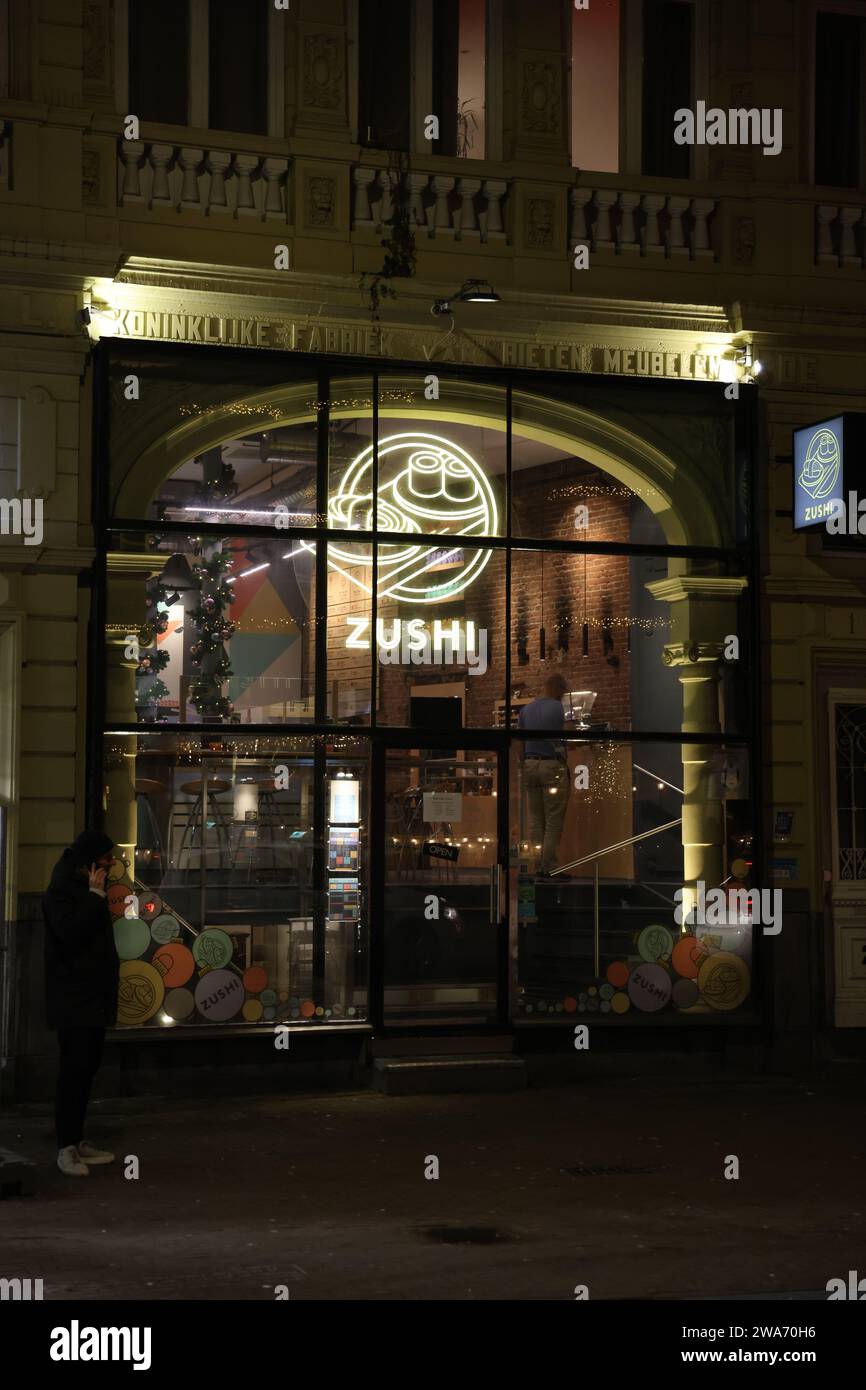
[(473, 591), (441, 662), (222, 626), (244, 893), (350, 453), (633, 838), (581, 469), (631, 636), (441, 879), (350, 678)]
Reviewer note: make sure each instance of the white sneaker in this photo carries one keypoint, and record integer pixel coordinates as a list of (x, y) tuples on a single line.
[(70, 1163), (91, 1154)]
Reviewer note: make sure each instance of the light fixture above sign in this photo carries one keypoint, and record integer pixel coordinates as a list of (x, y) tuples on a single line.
[(470, 292)]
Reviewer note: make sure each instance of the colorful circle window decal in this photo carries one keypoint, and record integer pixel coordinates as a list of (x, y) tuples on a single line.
[(140, 993), (685, 994), (723, 980), (213, 948), (117, 896), (219, 995), (655, 943), (175, 963), (687, 956), (649, 987), (178, 1005), (164, 928), (617, 973), (131, 937), (255, 979), (149, 907)]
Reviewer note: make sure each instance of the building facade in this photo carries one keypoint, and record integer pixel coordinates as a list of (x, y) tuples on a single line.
[(259, 292)]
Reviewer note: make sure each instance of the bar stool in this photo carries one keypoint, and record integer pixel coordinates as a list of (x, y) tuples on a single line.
[(267, 839), (195, 822), (150, 851)]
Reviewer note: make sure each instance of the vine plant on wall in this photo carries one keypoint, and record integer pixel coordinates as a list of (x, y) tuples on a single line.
[(399, 244)]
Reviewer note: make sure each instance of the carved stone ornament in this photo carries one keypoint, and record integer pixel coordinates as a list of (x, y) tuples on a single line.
[(320, 196), (540, 101), (744, 240), (91, 177), (539, 222), (322, 72), (95, 40)]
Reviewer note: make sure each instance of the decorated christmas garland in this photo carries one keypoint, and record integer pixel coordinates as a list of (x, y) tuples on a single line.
[(208, 652), (149, 687)]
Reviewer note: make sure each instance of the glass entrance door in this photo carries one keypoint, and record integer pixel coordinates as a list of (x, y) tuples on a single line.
[(443, 935)]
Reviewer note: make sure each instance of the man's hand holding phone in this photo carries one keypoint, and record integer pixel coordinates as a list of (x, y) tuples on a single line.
[(96, 878)]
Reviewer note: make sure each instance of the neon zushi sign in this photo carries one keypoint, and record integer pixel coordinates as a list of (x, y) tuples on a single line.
[(431, 485)]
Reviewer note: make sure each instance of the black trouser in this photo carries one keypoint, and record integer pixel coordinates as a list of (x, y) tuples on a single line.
[(80, 1056)]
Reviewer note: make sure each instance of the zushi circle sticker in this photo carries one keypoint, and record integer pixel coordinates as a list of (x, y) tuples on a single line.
[(139, 994), (649, 987), (164, 928), (723, 980), (219, 995), (655, 943), (213, 948)]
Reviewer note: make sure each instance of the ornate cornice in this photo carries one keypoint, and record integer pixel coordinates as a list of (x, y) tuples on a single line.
[(703, 587)]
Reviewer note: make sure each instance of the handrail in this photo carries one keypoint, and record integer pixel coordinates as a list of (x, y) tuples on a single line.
[(622, 844), (659, 778)]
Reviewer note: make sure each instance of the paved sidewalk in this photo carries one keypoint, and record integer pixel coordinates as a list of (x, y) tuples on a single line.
[(327, 1194)]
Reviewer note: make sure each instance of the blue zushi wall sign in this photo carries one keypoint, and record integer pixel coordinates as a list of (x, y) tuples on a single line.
[(830, 474), (819, 459)]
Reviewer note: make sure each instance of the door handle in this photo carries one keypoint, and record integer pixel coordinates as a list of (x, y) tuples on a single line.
[(495, 883)]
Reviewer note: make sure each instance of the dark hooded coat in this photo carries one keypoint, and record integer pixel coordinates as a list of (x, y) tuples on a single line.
[(81, 961)]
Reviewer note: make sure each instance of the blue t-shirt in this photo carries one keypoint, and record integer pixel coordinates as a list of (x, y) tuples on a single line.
[(543, 713)]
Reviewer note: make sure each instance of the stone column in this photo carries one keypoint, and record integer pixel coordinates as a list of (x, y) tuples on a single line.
[(119, 777), (127, 577), (703, 619)]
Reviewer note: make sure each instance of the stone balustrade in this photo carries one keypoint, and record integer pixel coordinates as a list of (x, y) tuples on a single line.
[(218, 183), (840, 236), (656, 225), (454, 207)]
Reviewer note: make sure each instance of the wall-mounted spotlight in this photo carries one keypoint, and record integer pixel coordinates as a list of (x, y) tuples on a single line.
[(98, 318), (748, 364), (470, 292)]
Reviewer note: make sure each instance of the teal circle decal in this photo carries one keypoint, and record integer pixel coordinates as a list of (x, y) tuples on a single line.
[(655, 943), (131, 937), (165, 928), (213, 948)]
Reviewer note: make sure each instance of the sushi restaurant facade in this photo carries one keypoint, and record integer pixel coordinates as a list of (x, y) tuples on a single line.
[(332, 568)]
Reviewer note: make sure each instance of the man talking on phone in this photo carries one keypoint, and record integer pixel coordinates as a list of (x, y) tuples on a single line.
[(81, 978)]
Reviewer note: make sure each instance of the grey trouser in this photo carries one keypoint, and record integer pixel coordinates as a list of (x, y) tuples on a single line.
[(547, 790)]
